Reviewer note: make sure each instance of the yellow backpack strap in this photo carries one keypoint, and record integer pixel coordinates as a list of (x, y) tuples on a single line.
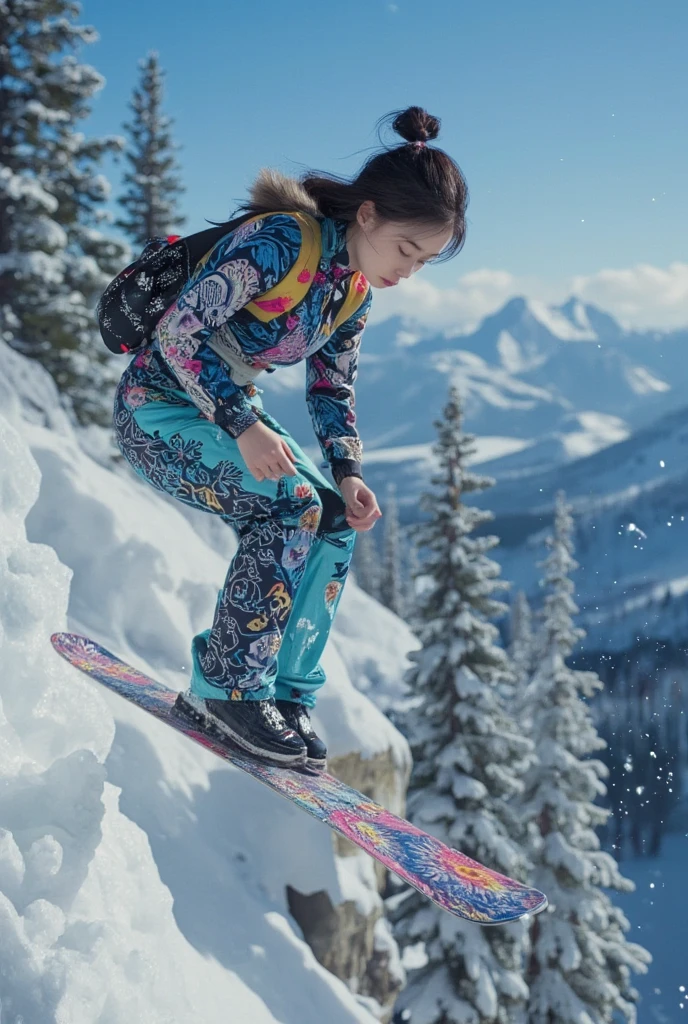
[(288, 292), (358, 289)]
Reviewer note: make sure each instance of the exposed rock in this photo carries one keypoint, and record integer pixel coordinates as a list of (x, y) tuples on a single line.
[(381, 779), (355, 946)]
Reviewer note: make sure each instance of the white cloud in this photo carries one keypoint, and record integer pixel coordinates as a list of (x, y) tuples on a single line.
[(642, 296), (638, 297)]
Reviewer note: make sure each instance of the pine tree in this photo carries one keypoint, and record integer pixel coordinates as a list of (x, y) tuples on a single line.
[(521, 637), (468, 754), (414, 570), (154, 187), (580, 963), (54, 260), (391, 591), (520, 650), (366, 564)]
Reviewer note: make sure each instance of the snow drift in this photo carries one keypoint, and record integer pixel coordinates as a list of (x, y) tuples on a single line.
[(141, 879)]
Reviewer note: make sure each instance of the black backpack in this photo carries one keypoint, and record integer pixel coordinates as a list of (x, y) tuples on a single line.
[(137, 297), (134, 301)]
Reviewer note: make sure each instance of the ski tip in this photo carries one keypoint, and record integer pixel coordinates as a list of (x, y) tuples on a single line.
[(63, 642), (543, 905), (60, 641), (62, 636), (531, 908), (71, 645)]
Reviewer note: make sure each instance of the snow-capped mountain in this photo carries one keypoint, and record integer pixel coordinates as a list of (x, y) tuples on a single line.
[(541, 386), (631, 515)]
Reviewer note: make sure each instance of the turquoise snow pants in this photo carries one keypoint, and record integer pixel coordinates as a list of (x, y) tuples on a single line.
[(274, 612)]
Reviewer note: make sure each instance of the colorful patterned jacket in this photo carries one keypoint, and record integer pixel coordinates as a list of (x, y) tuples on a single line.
[(210, 313)]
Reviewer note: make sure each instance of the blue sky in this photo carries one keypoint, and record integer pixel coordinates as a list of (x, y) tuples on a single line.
[(568, 120)]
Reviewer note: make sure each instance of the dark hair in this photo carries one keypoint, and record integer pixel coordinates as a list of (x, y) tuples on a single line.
[(418, 183), (406, 182)]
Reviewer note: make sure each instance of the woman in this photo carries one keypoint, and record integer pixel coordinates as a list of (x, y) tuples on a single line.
[(189, 419)]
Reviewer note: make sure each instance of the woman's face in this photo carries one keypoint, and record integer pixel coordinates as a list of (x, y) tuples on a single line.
[(387, 250)]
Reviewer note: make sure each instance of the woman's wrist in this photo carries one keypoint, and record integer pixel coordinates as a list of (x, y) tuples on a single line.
[(342, 468)]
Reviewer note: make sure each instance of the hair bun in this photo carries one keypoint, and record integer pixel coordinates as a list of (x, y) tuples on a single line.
[(415, 125)]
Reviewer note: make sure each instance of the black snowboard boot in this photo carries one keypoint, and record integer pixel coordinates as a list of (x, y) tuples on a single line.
[(296, 715), (254, 725)]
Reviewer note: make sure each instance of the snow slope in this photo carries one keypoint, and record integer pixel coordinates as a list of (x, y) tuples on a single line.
[(140, 878), (631, 519)]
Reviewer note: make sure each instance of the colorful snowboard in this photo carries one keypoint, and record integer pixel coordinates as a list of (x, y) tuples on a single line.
[(453, 881)]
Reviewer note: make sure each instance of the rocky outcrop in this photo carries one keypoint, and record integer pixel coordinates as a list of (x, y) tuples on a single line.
[(355, 945)]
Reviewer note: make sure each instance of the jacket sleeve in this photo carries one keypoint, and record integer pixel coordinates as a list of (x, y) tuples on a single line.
[(246, 262), (330, 375)]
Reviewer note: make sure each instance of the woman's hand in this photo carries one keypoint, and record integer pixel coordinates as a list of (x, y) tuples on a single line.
[(361, 504), (266, 454)]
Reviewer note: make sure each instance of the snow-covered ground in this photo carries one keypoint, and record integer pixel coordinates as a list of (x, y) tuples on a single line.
[(140, 878), (658, 912)]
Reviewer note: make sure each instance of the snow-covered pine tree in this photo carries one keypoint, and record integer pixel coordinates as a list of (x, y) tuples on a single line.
[(520, 649), (580, 963), (366, 564), (391, 592), (54, 259), (468, 753), (413, 571), (152, 179)]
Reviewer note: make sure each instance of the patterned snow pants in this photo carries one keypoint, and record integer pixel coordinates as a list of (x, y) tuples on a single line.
[(274, 613)]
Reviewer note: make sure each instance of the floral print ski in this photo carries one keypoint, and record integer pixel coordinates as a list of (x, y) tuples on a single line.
[(453, 881)]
